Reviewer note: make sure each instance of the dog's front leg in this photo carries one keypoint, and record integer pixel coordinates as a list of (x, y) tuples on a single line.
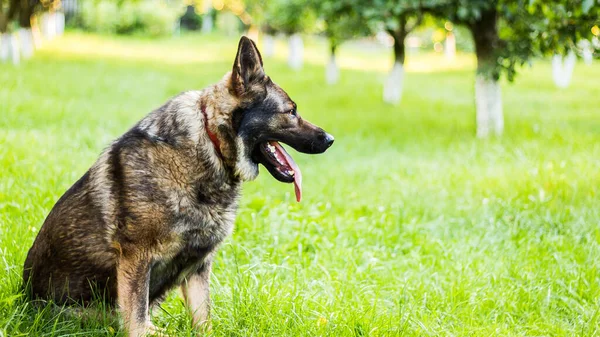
[(195, 289), (133, 281)]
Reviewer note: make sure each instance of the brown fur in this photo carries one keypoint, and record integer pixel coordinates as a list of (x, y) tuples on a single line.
[(150, 214)]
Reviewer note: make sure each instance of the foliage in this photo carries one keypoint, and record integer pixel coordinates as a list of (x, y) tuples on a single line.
[(153, 18), (102, 16), (542, 28), (156, 18), (526, 29), (342, 19), (257, 9), (409, 226), (563, 23), (290, 16), (386, 13), (397, 18)]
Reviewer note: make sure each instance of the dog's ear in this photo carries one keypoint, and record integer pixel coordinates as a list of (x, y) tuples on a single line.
[(248, 66)]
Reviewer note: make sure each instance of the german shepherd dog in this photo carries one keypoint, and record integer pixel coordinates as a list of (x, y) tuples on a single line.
[(151, 212)]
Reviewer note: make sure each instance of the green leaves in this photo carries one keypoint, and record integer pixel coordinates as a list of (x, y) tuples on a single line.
[(343, 19), (526, 29), (290, 16)]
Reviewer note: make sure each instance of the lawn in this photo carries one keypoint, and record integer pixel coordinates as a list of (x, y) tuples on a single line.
[(409, 225)]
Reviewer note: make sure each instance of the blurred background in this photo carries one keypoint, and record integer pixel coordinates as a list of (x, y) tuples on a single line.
[(460, 198), (503, 35)]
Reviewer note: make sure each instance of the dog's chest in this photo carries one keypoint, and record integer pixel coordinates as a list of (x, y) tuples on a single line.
[(198, 227), (206, 216)]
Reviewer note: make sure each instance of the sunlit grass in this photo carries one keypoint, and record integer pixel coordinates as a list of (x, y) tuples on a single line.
[(360, 55), (409, 226)]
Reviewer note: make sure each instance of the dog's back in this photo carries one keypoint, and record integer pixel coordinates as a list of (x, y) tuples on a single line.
[(59, 265)]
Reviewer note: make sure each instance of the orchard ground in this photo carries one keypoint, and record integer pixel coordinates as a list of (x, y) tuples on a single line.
[(409, 224)]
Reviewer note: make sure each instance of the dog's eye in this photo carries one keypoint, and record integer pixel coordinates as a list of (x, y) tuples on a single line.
[(292, 112)]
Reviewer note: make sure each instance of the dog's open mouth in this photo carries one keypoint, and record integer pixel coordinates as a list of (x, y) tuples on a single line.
[(280, 164)]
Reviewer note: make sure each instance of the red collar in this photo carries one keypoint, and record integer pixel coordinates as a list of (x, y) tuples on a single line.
[(213, 138)]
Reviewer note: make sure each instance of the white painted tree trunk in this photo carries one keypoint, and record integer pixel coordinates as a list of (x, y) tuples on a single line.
[(295, 58), (48, 25), (4, 47), (269, 45), (26, 40), (332, 72), (207, 24), (450, 48), (587, 53), (207, 21), (488, 102), (15, 52), (60, 23), (36, 32), (392, 88), (9, 48), (562, 69)]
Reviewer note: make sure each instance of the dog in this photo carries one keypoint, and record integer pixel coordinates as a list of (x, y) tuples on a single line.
[(151, 212)]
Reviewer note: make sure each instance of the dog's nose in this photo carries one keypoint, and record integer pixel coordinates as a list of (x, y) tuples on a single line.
[(329, 139)]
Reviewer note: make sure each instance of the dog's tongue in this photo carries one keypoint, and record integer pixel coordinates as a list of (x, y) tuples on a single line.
[(292, 164)]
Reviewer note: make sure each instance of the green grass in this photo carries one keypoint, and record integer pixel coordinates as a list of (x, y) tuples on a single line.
[(409, 226)]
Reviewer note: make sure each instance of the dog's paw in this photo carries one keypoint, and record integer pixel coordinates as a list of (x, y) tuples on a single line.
[(203, 328), (153, 330), (148, 330)]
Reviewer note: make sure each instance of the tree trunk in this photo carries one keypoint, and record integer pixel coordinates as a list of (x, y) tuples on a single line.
[(399, 47), (295, 58), (392, 89), (26, 39), (49, 25), (25, 34), (562, 69), (450, 48), (13, 9), (207, 23), (488, 98), (53, 24), (488, 101), (25, 13), (587, 52), (9, 48), (4, 52), (207, 19), (332, 72), (269, 45), (4, 47), (3, 20), (36, 32), (60, 23)]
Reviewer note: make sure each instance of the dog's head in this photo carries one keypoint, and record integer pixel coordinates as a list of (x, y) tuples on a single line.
[(264, 117)]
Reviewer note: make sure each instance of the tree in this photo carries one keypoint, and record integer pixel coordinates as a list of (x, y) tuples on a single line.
[(568, 24), (481, 17), (20, 11), (343, 20), (6, 39), (397, 18), (291, 17), (508, 34)]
